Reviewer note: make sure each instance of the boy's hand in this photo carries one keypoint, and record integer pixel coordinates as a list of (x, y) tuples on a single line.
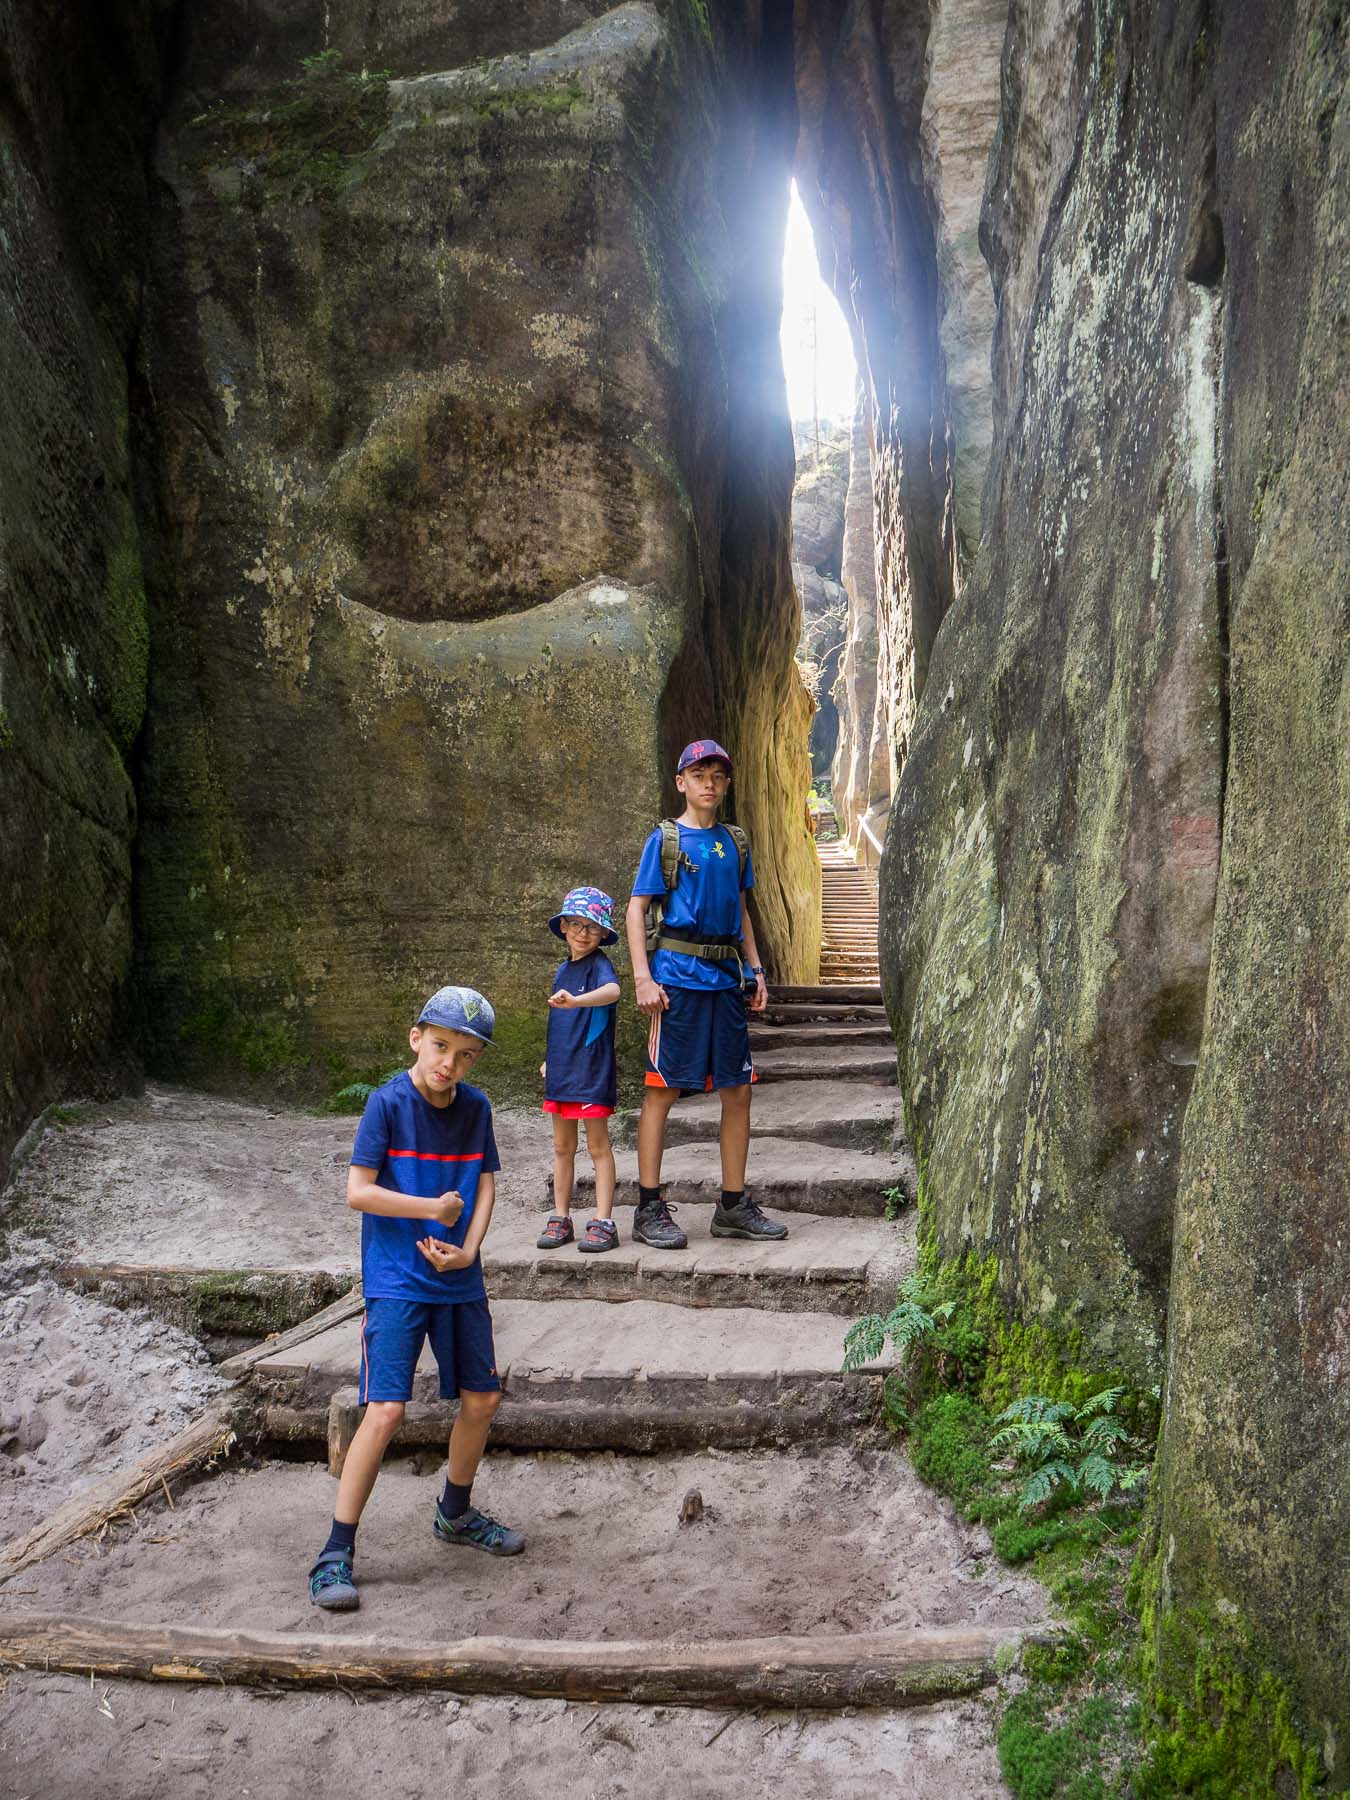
[(446, 1210), (445, 1256), (543, 1070), (562, 1000), (651, 996), (761, 999)]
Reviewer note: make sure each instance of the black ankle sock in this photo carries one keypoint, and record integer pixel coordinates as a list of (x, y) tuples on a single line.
[(732, 1198), (648, 1196), (455, 1499), (341, 1537)]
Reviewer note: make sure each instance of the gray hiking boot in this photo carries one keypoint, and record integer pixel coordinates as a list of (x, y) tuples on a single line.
[(479, 1531), (746, 1219), (332, 1584), (653, 1226)]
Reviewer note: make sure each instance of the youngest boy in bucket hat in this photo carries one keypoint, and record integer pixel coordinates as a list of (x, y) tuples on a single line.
[(423, 1179), (578, 1067)]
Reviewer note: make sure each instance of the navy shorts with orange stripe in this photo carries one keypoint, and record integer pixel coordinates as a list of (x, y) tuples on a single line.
[(392, 1335), (701, 1041)]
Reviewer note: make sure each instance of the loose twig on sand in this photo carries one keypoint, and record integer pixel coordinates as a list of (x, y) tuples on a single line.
[(117, 1494)]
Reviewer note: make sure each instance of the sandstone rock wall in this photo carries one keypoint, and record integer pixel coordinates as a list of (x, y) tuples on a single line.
[(1256, 1447), (818, 495), (78, 84), (471, 504), (861, 777), (1135, 711), (898, 107)]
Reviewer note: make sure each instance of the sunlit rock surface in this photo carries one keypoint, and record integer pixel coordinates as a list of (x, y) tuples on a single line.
[(818, 495), (862, 762)]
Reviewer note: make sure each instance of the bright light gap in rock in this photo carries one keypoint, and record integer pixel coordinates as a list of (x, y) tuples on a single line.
[(817, 348)]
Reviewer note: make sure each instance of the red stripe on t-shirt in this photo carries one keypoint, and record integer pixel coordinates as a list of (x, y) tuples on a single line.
[(432, 1156)]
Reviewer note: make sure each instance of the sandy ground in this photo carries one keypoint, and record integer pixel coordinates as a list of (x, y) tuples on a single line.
[(820, 1542), (801, 1543), (135, 1181), (60, 1739), (87, 1388)]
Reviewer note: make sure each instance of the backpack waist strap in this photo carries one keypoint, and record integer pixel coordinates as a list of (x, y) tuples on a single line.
[(705, 949)]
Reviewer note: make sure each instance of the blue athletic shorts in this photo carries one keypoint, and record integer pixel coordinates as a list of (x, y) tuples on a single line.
[(701, 1041), (392, 1335)]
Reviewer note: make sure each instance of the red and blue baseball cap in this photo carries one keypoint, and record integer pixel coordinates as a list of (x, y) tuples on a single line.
[(702, 750), (591, 904)]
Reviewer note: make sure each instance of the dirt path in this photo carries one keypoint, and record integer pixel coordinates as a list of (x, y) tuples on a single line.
[(60, 1739), (732, 1352)]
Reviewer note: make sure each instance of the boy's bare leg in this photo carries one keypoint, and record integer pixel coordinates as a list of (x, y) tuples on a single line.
[(734, 1136), (651, 1133), (469, 1434), (379, 1422), (564, 1163), (602, 1155)]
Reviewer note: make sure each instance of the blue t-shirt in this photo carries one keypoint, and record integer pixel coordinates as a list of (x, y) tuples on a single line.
[(580, 1053), (705, 902), (421, 1149)]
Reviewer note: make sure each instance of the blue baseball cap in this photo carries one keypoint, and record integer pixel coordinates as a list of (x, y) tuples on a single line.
[(591, 904), (702, 750), (460, 1009)]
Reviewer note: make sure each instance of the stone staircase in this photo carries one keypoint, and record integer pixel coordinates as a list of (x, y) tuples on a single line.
[(725, 1348), (848, 948), (723, 1344)]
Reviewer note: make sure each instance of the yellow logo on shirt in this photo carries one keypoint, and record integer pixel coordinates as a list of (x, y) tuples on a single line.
[(717, 847)]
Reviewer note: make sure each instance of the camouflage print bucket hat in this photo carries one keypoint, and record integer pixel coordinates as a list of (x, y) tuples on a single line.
[(460, 1009), (591, 904)]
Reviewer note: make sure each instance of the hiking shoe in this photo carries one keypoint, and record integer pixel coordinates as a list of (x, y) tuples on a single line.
[(747, 1219), (653, 1225), (477, 1529), (601, 1234), (332, 1584), (558, 1231)]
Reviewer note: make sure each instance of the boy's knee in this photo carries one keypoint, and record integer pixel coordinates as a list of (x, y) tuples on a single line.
[(479, 1407), (736, 1099), (384, 1416), (597, 1138)]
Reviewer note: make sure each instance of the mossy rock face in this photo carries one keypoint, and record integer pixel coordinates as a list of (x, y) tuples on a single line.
[(438, 590), (1048, 887), (1255, 1460), (73, 646), (1114, 929)]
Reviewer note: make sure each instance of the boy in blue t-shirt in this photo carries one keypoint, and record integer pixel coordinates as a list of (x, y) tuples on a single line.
[(578, 1067), (423, 1179), (692, 993)]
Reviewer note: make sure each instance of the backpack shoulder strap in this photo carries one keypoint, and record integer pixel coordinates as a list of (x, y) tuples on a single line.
[(742, 843), (670, 852)]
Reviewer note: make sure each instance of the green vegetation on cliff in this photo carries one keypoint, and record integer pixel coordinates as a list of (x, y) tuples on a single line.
[(1095, 1718)]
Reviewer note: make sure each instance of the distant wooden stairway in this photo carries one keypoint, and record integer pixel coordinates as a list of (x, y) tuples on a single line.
[(848, 950)]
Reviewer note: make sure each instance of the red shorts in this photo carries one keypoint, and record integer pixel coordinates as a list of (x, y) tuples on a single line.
[(572, 1109)]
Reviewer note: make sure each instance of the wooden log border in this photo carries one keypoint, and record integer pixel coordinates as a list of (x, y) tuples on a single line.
[(884, 1669)]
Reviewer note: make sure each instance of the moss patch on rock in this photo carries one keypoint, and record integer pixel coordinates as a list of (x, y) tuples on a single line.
[(307, 140)]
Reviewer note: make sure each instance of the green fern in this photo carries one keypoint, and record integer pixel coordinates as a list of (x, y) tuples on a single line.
[(908, 1323), (1073, 1448)]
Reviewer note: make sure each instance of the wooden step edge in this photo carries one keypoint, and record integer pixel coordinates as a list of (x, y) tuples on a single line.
[(874, 1669)]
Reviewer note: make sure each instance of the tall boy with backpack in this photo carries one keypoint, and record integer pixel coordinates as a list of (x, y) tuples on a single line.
[(693, 949)]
